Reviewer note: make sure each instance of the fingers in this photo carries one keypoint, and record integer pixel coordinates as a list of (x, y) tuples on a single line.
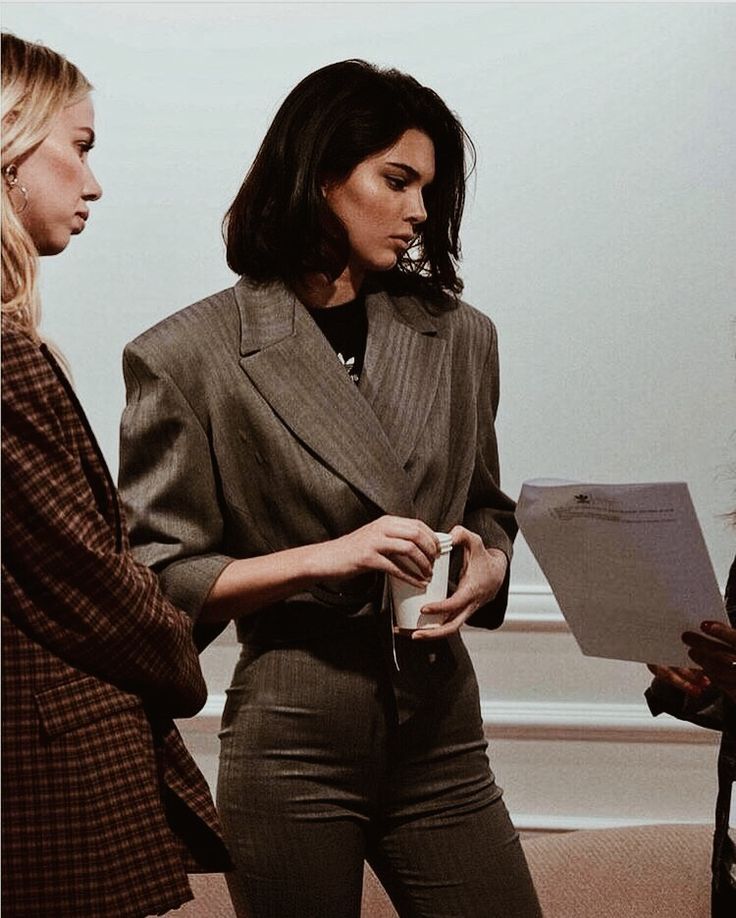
[(410, 558), (388, 566), (418, 540), (460, 535), (402, 547), (469, 542), (690, 680), (467, 539), (722, 673), (715, 653), (482, 575), (701, 643), (720, 631), (462, 597), (716, 657), (453, 612), (450, 626), (718, 661)]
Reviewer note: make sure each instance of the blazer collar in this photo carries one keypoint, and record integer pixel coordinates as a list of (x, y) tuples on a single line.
[(366, 433), (266, 314)]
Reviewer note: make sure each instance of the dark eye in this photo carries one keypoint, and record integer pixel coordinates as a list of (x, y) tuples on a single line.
[(84, 147), (393, 181)]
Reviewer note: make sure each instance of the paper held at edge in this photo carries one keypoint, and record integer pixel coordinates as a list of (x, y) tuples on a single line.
[(627, 564)]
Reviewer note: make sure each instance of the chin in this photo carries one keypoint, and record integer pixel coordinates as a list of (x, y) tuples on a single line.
[(383, 263), (53, 246)]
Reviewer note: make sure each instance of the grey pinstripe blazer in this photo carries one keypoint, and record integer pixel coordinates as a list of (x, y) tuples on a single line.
[(244, 435)]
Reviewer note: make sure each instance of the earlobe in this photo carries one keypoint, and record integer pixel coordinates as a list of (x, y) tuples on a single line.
[(327, 186), (10, 174)]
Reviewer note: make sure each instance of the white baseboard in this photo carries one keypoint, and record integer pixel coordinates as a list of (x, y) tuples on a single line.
[(628, 723), (534, 609)]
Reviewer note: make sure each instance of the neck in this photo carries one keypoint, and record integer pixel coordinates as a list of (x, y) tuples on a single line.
[(315, 291)]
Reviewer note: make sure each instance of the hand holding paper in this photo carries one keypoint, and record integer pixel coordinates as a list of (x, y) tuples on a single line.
[(715, 652), (627, 564)]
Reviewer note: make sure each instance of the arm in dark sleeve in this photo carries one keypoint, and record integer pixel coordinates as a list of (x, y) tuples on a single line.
[(65, 583), (707, 710), (489, 511), (169, 488)]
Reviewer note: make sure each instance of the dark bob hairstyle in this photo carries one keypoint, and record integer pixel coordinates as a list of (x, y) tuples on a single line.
[(279, 225)]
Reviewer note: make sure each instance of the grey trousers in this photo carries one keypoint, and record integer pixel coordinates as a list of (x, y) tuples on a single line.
[(317, 775)]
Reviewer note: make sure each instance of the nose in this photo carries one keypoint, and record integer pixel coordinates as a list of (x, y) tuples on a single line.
[(417, 213), (92, 190)]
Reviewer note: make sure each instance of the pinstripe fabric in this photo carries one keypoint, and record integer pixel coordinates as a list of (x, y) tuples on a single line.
[(95, 664), (316, 775), (243, 435)]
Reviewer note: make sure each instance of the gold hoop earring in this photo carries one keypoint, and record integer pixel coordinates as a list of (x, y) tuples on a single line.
[(11, 178)]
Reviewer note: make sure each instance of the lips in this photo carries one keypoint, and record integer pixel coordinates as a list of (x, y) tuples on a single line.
[(80, 221)]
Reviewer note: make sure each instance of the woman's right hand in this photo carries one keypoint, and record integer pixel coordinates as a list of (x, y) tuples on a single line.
[(405, 548)]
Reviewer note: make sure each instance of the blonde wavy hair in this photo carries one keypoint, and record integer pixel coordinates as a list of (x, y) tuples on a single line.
[(37, 83)]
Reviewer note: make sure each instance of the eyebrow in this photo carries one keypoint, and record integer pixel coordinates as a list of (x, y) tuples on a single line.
[(411, 172), (408, 169)]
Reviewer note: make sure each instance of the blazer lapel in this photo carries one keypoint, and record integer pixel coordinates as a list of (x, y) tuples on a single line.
[(402, 368), (292, 365)]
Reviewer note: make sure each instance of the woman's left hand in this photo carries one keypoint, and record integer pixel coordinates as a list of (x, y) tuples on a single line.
[(715, 654), (483, 571)]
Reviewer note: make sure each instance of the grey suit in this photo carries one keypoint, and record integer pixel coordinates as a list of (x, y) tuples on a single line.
[(243, 435)]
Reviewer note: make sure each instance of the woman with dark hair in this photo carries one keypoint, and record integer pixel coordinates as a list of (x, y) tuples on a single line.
[(281, 225), (290, 441)]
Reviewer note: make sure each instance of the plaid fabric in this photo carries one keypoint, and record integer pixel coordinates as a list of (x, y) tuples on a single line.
[(104, 811)]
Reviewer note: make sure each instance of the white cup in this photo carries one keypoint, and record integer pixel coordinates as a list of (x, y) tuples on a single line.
[(408, 600)]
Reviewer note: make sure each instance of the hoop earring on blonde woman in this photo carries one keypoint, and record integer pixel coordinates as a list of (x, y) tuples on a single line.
[(11, 177)]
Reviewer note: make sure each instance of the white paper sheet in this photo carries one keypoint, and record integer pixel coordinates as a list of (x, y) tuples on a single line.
[(627, 564)]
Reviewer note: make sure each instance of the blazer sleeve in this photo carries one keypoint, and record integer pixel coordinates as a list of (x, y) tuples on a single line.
[(489, 511), (169, 488), (66, 584)]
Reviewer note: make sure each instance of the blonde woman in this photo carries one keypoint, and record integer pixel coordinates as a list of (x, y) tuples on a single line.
[(104, 811)]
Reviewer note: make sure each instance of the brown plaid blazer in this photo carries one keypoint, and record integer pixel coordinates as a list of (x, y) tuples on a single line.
[(104, 810)]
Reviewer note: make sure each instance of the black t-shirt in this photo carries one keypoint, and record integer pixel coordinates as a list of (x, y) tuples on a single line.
[(346, 328)]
